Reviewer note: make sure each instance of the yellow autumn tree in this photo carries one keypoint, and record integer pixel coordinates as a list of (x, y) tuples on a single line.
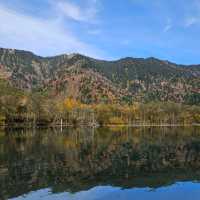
[(116, 121), (71, 104)]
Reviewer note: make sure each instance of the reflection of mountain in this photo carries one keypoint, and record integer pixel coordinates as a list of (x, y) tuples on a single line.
[(79, 159)]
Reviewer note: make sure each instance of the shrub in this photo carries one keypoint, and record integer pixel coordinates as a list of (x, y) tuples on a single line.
[(2, 120), (116, 121)]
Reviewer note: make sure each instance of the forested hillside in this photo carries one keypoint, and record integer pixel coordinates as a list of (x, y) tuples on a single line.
[(94, 81), (71, 87)]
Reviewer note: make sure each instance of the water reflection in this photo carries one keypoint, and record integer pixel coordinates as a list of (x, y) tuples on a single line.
[(100, 163), (189, 191)]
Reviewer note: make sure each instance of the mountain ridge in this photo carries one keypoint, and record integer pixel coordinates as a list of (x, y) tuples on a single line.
[(113, 60), (126, 79)]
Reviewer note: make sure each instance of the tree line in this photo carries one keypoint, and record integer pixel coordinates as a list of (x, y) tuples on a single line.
[(39, 110)]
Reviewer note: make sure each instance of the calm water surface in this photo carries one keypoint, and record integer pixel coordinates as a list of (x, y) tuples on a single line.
[(87, 164)]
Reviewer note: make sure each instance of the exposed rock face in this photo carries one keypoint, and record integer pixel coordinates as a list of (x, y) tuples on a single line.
[(92, 80)]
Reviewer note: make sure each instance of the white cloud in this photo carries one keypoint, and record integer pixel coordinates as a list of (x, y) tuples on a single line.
[(45, 37), (168, 25), (194, 17), (125, 42), (71, 10), (192, 21), (94, 31), (83, 13)]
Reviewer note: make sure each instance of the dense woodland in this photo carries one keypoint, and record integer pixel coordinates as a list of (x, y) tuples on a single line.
[(78, 90), (95, 81), (35, 109)]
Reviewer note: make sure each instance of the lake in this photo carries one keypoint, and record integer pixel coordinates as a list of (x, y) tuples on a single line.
[(143, 163)]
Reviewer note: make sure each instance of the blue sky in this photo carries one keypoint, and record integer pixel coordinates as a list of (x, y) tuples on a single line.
[(106, 29)]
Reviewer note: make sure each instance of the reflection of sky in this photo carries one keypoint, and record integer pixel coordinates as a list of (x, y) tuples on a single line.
[(183, 191)]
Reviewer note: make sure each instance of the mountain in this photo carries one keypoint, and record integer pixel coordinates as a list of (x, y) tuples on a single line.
[(91, 80)]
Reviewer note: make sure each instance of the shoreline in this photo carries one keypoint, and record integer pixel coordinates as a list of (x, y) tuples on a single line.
[(97, 126)]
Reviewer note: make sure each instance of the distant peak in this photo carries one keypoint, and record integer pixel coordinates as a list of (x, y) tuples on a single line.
[(152, 58), (130, 59), (11, 51), (127, 59), (71, 55)]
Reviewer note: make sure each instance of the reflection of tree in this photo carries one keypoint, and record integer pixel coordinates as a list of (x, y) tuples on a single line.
[(80, 159)]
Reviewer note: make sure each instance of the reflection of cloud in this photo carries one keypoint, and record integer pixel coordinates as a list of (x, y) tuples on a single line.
[(175, 191)]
